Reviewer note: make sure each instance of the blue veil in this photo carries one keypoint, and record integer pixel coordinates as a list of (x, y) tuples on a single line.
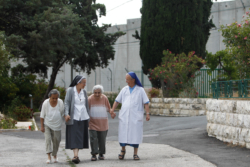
[(134, 76)]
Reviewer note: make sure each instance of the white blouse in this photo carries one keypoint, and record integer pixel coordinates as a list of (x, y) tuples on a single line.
[(80, 111), (53, 116)]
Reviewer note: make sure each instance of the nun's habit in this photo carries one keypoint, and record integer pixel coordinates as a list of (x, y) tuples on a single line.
[(131, 113), (76, 105)]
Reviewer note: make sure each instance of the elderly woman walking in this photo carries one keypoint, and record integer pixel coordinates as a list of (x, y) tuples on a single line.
[(76, 117), (133, 98), (51, 122), (98, 124)]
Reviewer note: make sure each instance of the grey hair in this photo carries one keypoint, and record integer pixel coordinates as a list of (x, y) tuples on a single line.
[(98, 87), (53, 92)]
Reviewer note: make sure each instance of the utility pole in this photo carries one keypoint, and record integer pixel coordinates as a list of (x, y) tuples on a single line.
[(95, 77), (111, 78)]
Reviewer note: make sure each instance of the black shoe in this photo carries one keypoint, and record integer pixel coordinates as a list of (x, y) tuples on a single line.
[(93, 158), (76, 160), (101, 157)]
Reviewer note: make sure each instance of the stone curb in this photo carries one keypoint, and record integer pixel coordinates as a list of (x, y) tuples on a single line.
[(13, 130)]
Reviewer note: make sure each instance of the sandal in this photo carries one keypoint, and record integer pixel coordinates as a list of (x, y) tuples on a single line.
[(93, 158), (101, 157), (121, 157), (76, 160), (48, 161), (56, 160), (136, 157)]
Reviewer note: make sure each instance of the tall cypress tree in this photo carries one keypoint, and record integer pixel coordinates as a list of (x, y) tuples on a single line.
[(177, 25)]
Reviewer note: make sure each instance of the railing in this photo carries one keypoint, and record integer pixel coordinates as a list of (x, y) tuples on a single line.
[(203, 81), (231, 89)]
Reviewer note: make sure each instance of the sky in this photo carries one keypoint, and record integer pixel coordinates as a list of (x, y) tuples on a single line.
[(118, 11), (124, 9)]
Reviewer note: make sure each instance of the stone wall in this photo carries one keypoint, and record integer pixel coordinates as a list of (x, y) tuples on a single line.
[(178, 106), (229, 121)]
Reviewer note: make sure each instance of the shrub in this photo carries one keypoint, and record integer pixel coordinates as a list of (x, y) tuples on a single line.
[(7, 123), (175, 71), (41, 87), (154, 92), (40, 90), (24, 81), (62, 91), (22, 112), (9, 111)]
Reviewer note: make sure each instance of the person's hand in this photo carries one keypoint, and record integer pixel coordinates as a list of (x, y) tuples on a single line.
[(113, 114), (42, 129), (147, 117), (67, 118)]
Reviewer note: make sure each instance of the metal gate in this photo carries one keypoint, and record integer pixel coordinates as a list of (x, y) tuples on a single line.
[(203, 81)]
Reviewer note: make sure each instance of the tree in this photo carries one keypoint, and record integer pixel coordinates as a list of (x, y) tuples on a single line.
[(50, 33), (8, 89), (177, 25), (226, 61), (4, 54), (237, 41)]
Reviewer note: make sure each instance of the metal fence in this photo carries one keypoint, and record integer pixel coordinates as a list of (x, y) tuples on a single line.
[(113, 81), (203, 81), (231, 89)]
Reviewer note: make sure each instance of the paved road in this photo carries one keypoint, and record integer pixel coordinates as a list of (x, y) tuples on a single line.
[(184, 133)]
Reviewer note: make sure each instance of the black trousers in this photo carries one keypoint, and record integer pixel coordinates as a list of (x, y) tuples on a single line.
[(98, 141)]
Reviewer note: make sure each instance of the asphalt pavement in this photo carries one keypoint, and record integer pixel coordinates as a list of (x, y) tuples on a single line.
[(168, 141)]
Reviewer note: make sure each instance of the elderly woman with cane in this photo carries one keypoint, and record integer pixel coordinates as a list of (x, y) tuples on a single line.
[(98, 124), (76, 117), (133, 98), (51, 116)]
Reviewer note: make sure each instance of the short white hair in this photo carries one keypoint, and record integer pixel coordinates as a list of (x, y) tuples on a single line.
[(54, 92), (98, 87)]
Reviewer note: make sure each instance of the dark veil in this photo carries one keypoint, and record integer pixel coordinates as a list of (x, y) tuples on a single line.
[(76, 80)]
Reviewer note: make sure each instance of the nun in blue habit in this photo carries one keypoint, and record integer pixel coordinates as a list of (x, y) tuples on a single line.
[(133, 99)]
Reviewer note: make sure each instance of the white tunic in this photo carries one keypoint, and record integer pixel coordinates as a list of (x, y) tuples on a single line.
[(131, 114), (53, 116), (80, 111)]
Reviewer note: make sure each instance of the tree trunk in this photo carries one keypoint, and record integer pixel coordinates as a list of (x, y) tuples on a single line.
[(51, 85)]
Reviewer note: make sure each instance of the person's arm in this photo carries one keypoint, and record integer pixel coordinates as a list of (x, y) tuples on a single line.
[(145, 101), (66, 106), (42, 116), (116, 103), (42, 125), (147, 111), (112, 111), (114, 106)]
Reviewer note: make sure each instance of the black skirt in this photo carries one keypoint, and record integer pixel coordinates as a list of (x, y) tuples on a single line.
[(77, 135)]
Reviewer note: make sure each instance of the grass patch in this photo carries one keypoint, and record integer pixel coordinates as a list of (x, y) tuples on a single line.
[(72, 164), (32, 126)]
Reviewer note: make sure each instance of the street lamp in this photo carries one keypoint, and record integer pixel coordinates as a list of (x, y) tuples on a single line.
[(31, 101)]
